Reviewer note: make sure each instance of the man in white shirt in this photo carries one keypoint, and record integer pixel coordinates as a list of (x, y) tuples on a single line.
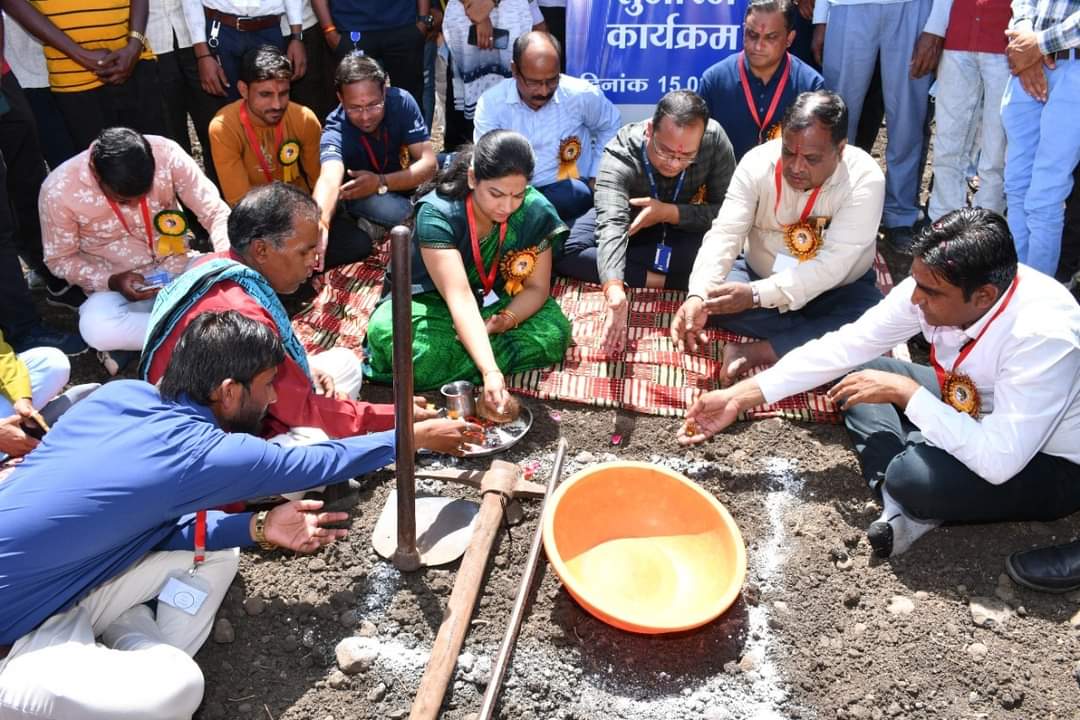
[(568, 122), (789, 257), (991, 431), (223, 30)]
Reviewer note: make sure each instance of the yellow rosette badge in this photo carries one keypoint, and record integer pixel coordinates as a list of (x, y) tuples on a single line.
[(171, 226), (700, 195), (288, 155), (403, 157), (569, 152), (774, 132), (961, 393), (802, 241), (517, 267)]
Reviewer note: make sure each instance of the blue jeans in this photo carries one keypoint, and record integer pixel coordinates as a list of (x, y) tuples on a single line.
[(854, 37), (571, 198), (232, 44), (387, 210), (786, 331), (1043, 149)]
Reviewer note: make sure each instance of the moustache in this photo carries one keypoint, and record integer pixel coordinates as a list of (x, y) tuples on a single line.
[(543, 98)]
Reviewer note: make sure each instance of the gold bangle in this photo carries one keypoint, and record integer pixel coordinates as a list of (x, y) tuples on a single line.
[(510, 314), (136, 35)]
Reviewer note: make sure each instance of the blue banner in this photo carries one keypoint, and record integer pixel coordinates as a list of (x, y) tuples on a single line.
[(638, 50)]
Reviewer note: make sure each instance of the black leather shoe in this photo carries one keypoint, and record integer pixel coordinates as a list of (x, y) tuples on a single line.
[(881, 538), (339, 497), (1054, 569)]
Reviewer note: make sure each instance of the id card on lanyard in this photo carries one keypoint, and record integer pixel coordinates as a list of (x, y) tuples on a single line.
[(662, 257)]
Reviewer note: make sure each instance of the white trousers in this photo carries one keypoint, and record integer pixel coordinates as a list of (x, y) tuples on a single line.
[(969, 90), (109, 321), (143, 666), (344, 366), (49, 371)]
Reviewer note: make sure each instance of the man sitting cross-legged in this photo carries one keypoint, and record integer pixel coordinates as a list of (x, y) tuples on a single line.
[(106, 515), (990, 432), (789, 256), (111, 223), (274, 232)]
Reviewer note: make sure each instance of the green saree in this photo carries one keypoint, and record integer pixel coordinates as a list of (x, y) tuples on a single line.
[(438, 355)]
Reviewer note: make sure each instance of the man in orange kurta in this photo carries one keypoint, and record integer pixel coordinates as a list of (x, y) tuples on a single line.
[(263, 137)]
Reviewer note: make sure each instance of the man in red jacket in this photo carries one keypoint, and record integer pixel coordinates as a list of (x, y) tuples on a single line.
[(274, 233)]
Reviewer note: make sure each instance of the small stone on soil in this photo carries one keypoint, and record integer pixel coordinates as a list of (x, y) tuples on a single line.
[(852, 598), (223, 632), (988, 611), (377, 693), (900, 605), (254, 606), (977, 651), (367, 629), (338, 680), (354, 656), (317, 565)]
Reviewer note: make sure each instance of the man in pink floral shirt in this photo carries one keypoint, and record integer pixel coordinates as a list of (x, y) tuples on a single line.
[(111, 223)]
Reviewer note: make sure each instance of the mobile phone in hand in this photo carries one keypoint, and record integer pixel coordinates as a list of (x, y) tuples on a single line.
[(149, 286), (500, 38)]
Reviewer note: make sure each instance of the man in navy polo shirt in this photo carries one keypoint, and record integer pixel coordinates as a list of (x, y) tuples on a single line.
[(392, 31), (376, 141), (749, 92)]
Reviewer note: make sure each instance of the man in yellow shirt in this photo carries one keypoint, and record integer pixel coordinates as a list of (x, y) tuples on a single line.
[(263, 137), (102, 71)]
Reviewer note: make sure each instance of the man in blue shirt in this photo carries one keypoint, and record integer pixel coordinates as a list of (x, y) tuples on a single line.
[(748, 93), (568, 122), (393, 32), (377, 136), (107, 514)]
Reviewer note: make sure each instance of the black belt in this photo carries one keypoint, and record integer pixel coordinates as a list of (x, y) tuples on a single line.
[(1070, 54), (243, 24)]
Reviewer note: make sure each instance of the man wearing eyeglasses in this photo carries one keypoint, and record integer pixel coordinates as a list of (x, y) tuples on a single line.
[(789, 258), (568, 122), (375, 152), (660, 183)]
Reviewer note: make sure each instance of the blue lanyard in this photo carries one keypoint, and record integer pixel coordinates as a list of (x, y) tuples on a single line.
[(652, 178)]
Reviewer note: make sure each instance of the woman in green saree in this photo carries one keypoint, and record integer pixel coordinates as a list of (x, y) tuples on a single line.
[(481, 272)]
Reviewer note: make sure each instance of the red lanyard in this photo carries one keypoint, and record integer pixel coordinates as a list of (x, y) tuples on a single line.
[(809, 203), (253, 141), (744, 80), (487, 278), (379, 167), (200, 537), (145, 216), (970, 344)]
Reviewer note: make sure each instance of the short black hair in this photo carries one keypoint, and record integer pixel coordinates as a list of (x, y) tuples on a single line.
[(123, 161), (497, 154), (355, 67), (525, 39), (787, 8), (969, 248), (820, 106), (269, 212), (684, 107), (215, 347), (265, 62)]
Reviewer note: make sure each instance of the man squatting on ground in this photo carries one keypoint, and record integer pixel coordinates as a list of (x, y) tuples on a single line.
[(85, 550)]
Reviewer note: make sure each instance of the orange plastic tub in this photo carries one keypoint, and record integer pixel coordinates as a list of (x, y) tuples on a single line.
[(643, 548)]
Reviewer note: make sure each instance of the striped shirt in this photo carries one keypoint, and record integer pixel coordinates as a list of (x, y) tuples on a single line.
[(1056, 22), (93, 24)]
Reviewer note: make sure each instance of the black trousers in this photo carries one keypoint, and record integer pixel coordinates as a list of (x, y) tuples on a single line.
[(400, 51), (17, 311), (555, 19), (182, 95), (51, 125), (1069, 263), (933, 485), (316, 89), (579, 253), (136, 103), (26, 172)]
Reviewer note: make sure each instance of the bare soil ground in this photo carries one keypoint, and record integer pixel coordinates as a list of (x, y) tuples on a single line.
[(821, 631)]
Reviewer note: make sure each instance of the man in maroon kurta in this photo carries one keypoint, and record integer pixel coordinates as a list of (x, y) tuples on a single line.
[(285, 254)]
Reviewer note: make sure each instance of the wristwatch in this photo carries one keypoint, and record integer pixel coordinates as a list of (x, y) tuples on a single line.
[(260, 531), (383, 187), (297, 36), (755, 296), (428, 20)]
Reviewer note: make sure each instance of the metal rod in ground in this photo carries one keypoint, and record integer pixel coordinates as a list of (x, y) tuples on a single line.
[(406, 557), (517, 614)]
